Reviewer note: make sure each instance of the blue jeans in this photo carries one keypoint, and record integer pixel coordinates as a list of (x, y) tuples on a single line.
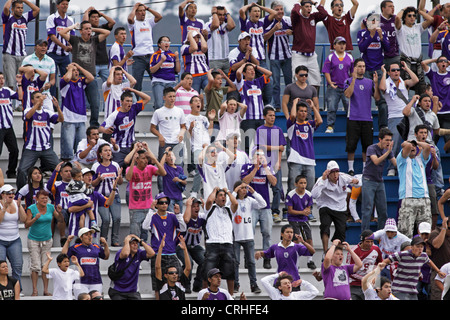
[(158, 89), (93, 98), (12, 250), (396, 138), (197, 181), (74, 132), (333, 98), (113, 211), (102, 71), (200, 82), (61, 63), (373, 193), (140, 65), (296, 169), (29, 159), (264, 216), (137, 216), (249, 256), (172, 204), (277, 67)]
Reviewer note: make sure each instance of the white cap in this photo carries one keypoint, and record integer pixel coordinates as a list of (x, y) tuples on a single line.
[(83, 231), (424, 227), (243, 35), (6, 188), (86, 170), (332, 166)]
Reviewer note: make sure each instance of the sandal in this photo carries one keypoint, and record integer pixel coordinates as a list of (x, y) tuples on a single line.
[(34, 294)]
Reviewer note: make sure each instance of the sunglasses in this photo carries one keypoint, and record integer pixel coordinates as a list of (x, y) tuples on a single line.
[(303, 75), (412, 15), (172, 272), (442, 60), (339, 5), (395, 69), (162, 202)]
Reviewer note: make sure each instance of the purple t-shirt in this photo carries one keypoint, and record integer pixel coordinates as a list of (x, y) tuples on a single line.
[(270, 136), (287, 257), (336, 282), (88, 257), (301, 136), (260, 182), (359, 106), (440, 84), (129, 281), (372, 48), (371, 171), (171, 188), (388, 26), (338, 68), (298, 202), (161, 225)]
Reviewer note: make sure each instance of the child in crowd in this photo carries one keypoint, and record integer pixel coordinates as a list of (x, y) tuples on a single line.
[(229, 119), (174, 182)]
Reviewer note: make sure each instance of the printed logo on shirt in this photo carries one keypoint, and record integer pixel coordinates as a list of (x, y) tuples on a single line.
[(109, 175), (18, 25), (4, 101), (303, 135), (126, 126), (144, 30), (256, 31), (446, 80), (58, 29), (192, 28), (39, 124), (259, 180), (361, 87), (281, 32), (312, 22), (169, 65), (88, 261), (375, 45), (253, 91)]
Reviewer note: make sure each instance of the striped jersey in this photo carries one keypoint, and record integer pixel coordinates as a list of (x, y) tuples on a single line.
[(29, 86), (196, 63), (116, 53), (278, 44), (141, 36), (218, 41), (111, 96), (123, 123), (412, 177), (6, 110), (187, 25), (194, 230), (301, 136), (109, 174), (15, 33), (57, 188), (55, 23), (256, 31), (251, 96), (37, 129), (235, 56), (73, 101), (166, 72)]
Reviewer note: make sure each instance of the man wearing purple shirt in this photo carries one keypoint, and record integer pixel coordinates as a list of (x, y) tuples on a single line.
[(387, 24), (359, 90), (15, 36)]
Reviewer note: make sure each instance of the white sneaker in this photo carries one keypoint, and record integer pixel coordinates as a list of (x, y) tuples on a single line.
[(391, 173), (329, 130), (193, 194)]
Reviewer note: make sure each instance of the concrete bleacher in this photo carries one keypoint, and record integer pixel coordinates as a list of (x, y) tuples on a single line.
[(327, 147)]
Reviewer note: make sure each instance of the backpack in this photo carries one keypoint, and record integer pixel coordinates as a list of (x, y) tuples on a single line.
[(115, 274)]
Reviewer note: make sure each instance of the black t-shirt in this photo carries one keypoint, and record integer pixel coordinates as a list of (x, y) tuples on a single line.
[(172, 293), (7, 292)]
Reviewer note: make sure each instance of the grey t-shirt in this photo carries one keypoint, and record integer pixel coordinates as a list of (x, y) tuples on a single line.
[(294, 91), (84, 52), (371, 171)]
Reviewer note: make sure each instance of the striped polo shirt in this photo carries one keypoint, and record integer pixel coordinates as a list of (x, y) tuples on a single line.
[(111, 96), (166, 73), (15, 33), (256, 31), (6, 110), (408, 270), (196, 63), (218, 41), (55, 23), (37, 129), (251, 95), (183, 97), (278, 44)]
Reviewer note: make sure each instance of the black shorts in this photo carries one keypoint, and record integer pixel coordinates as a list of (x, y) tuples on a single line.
[(358, 130)]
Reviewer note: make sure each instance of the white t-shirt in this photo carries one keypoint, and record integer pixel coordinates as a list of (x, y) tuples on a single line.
[(212, 176), (242, 218), (409, 40), (142, 38), (91, 158), (200, 134), (371, 294), (63, 283), (169, 121), (219, 226), (233, 173), (394, 103), (229, 122)]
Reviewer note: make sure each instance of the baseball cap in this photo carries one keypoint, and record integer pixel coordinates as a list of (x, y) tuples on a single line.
[(424, 227), (417, 240), (243, 35), (83, 231), (339, 39), (86, 170), (41, 41), (332, 166), (59, 1), (7, 188), (213, 271)]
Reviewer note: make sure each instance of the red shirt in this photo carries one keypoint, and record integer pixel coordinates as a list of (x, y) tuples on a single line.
[(339, 27)]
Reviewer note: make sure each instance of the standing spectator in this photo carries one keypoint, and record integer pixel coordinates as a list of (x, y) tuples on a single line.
[(413, 189), (84, 52), (118, 80), (330, 194), (101, 60), (185, 92), (218, 27), (164, 66), (271, 138), (359, 90), (160, 223), (169, 125), (410, 262), (35, 182), (120, 124), (287, 252), (38, 136), (370, 256), (15, 28), (409, 41), (116, 54), (304, 23), (300, 134), (59, 48), (373, 188), (395, 91), (440, 13), (254, 24), (195, 61), (187, 11), (106, 172), (219, 236), (276, 33), (11, 215), (251, 89), (139, 176), (141, 28), (338, 23), (260, 175), (129, 259), (40, 238), (63, 276), (87, 148), (9, 286), (72, 86), (336, 275), (337, 68), (88, 255), (7, 133), (32, 80), (174, 182), (387, 24), (231, 115), (244, 235)]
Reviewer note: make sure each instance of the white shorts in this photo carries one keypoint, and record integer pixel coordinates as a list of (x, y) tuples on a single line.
[(314, 77)]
